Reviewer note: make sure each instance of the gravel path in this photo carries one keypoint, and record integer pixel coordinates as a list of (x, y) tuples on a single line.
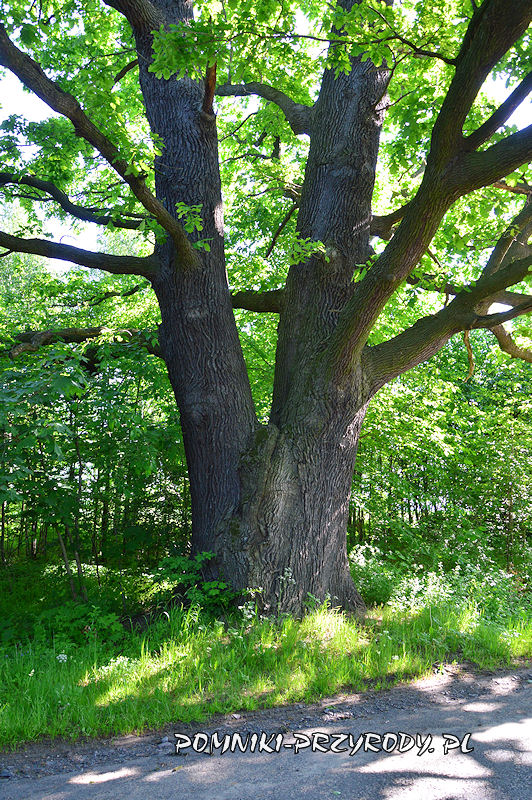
[(495, 709)]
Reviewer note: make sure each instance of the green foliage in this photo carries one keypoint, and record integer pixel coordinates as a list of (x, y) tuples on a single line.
[(182, 576), (191, 216), (76, 623), (188, 666), (302, 249), (90, 442), (407, 586), (442, 470), (374, 578), (192, 222)]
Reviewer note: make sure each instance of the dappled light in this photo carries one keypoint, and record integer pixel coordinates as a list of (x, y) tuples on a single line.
[(103, 777), (266, 425), (500, 739)]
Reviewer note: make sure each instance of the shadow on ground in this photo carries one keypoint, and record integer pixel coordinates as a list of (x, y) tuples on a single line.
[(496, 711)]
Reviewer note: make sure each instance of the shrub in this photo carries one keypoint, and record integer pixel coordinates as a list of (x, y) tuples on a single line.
[(374, 578)]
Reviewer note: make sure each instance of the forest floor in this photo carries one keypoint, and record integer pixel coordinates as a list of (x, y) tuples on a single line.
[(494, 708)]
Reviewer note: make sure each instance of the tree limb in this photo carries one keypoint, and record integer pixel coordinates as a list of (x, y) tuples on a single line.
[(476, 169), (119, 75), (64, 201), (259, 301), (511, 245), (142, 15), (499, 117), (411, 347), (423, 339), (107, 295), (485, 287), (450, 173), (513, 242), (504, 297), (119, 265), (519, 188), (509, 263), (419, 51), (493, 29), (31, 341), (491, 320), (33, 77), (284, 222), (383, 226), (298, 116), (508, 345)]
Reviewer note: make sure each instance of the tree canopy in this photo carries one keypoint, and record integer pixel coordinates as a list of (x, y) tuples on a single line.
[(346, 165)]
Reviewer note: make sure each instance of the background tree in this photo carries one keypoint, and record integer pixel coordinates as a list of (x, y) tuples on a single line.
[(271, 497)]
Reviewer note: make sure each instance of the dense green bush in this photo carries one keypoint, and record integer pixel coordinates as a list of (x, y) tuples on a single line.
[(410, 587), (141, 596)]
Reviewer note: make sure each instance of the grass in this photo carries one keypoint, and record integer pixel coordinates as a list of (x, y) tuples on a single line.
[(188, 666)]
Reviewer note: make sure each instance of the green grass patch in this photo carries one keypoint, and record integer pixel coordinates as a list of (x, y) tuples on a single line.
[(188, 666), (77, 670)]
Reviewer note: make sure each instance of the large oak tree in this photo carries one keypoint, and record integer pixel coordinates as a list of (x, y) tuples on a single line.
[(319, 80)]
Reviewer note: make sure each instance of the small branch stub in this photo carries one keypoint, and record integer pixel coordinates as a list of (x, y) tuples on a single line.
[(470, 356), (210, 88)]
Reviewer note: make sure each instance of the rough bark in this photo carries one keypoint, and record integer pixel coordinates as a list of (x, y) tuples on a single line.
[(335, 208), (289, 538), (259, 498), (198, 334)]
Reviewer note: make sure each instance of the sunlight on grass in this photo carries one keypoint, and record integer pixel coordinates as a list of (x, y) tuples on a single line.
[(188, 667)]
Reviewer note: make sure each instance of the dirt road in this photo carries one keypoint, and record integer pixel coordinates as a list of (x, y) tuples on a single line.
[(384, 746)]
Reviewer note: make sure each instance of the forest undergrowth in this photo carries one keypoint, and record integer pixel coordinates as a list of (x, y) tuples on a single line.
[(187, 649)]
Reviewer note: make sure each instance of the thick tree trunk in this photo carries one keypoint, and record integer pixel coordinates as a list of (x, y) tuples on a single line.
[(272, 502), (289, 538), (297, 480), (198, 332)]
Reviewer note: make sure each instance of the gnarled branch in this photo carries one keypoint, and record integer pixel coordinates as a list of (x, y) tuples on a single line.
[(86, 214), (476, 169), (119, 265), (31, 341), (509, 345), (505, 297), (107, 295), (32, 76), (298, 116), (419, 342), (519, 188)]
